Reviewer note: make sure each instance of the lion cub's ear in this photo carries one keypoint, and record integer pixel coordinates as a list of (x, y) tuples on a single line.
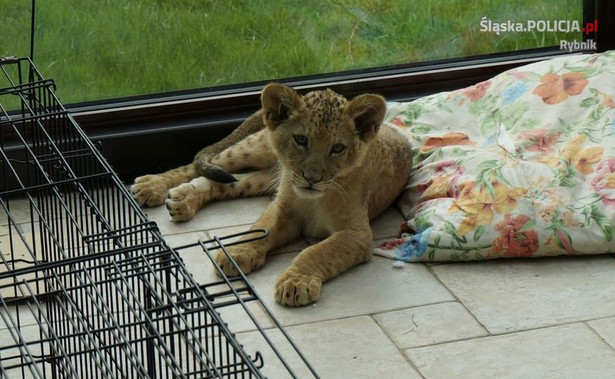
[(278, 102), (367, 112)]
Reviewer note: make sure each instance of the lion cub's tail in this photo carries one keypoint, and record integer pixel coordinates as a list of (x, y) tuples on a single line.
[(211, 171), (202, 160)]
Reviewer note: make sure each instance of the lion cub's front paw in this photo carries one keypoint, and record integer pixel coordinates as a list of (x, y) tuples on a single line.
[(183, 201), (246, 258), (295, 289), (149, 190)]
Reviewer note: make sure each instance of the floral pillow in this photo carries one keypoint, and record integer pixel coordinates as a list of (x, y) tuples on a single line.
[(522, 165)]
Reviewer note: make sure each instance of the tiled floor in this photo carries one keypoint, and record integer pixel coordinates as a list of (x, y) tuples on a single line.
[(541, 318)]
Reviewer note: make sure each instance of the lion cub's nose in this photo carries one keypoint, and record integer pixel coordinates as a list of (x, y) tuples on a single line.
[(311, 178)]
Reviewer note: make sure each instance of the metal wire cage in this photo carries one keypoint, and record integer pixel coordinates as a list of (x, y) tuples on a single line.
[(88, 286)]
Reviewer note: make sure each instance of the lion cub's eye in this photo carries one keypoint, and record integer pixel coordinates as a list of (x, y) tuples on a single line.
[(337, 149), (300, 140)]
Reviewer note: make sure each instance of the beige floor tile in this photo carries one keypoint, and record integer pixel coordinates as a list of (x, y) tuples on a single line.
[(215, 215), (20, 239), (369, 288), (19, 209), (349, 348), (430, 324), (569, 351), (227, 231), (606, 329), (511, 295), (19, 359), (13, 316), (181, 239)]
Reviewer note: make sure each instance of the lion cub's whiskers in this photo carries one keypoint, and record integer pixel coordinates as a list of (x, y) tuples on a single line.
[(335, 186)]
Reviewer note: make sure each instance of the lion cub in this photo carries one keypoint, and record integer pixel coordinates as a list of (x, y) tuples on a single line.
[(334, 167)]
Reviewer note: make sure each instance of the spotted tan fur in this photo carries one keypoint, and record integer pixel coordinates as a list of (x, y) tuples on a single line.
[(333, 167)]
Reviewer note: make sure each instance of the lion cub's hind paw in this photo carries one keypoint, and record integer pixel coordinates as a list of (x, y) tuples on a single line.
[(149, 190), (295, 289)]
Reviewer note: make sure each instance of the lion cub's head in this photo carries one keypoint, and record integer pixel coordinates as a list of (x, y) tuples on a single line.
[(321, 136)]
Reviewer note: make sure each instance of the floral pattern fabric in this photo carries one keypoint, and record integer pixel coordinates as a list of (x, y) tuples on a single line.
[(522, 165)]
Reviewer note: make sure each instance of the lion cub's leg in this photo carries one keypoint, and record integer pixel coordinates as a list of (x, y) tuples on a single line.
[(253, 152), (282, 227), (301, 283), (202, 159), (151, 190), (184, 200)]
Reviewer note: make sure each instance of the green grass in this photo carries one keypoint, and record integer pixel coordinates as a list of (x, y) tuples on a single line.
[(97, 49)]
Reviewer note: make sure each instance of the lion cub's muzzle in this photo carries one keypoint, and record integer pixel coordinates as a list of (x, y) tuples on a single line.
[(310, 186)]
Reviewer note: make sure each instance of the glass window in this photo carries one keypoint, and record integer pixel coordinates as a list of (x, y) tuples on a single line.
[(101, 49), (14, 32)]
